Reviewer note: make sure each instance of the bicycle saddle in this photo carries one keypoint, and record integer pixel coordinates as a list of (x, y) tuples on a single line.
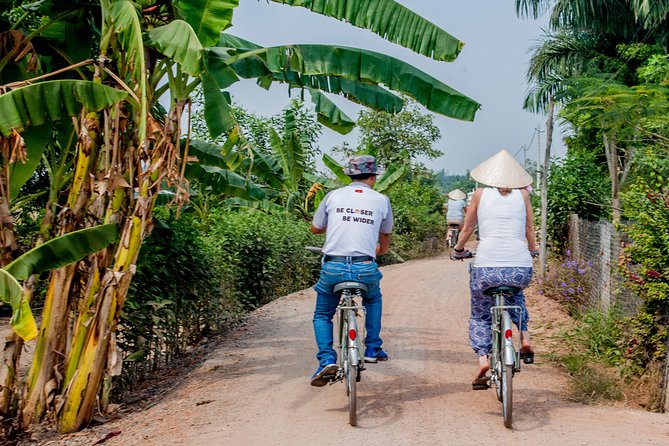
[(505, 290), (351, 285)]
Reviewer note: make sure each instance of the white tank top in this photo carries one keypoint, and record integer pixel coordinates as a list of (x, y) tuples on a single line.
[(501, 220)]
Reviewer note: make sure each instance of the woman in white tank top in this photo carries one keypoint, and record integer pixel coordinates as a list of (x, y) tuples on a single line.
[(503, 257)]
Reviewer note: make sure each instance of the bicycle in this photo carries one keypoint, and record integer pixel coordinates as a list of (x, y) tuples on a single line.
[(504, 358), (350, 347), (452, 235)]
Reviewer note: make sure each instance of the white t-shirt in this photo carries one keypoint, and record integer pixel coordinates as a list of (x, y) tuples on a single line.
[(353, 215), (455, 210), (502, 222)]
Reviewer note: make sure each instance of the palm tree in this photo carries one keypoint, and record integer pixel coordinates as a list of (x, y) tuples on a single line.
[(101, 103)]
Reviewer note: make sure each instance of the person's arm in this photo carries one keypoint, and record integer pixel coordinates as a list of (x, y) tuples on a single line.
[(383, 245), (529, 225), (320, 222), (385, 230), (471, 220), (315, 230)]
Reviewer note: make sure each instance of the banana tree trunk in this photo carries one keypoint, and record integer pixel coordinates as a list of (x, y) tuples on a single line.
[(93, 354), (46, 370)]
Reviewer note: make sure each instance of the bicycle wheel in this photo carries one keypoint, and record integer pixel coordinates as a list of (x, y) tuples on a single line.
[(497, 366), (351, 385), (507, 394), (344, 354)]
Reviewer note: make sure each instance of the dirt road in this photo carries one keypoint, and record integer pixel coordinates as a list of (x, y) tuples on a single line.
[(255, 389)]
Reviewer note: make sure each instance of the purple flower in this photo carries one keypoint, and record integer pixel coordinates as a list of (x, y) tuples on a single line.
[(571, 290), (579, 289), (563, 284), (562, 265), (572, 263), (568, 252), (571, 279), (581, 271), (564, 293), (541, 292), (589, 263)]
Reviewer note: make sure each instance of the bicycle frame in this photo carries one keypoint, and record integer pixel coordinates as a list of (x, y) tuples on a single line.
[(502, 333), (505, 359), (347, 310)]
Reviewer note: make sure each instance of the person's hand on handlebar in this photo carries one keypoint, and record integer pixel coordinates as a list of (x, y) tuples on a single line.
[(534, 253), (460, 254)]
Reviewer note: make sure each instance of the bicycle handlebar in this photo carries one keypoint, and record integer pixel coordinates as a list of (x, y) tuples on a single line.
[(462, 255), (316, 249)]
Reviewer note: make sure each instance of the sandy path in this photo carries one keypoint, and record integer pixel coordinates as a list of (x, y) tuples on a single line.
[(255, 388)]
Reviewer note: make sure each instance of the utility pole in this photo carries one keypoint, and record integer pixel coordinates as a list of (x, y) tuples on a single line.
[(544, 189), (539, 132)]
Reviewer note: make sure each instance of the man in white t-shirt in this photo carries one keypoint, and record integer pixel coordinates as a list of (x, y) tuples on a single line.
[(357, 222)]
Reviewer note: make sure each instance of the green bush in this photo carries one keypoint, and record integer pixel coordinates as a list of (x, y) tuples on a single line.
[(420, 225), (646, 268), (263, 256), (175, 298), (577, 184)]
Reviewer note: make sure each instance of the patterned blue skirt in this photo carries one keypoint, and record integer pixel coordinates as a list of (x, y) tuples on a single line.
[(482, 278)]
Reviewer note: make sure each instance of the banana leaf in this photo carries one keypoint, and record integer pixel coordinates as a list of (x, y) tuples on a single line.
[(330, 115), (336, 168), (62, 250), (370, 66), (125, 21), (178, 41), (217, 111), (393, 175), (36, 139), (357, 65), (208, 18), (390, 20), (48, 101), (22, 320), (212, 154), (224, 181), (253, 66)]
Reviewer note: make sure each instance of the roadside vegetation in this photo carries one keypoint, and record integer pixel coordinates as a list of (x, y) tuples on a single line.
[(605, 69), (104, 145)]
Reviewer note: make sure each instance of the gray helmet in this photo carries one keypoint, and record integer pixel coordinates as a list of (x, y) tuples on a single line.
[(360, 165)]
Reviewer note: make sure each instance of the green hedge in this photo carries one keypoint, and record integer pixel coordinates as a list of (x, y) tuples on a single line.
[(263, 255), (194, 277)]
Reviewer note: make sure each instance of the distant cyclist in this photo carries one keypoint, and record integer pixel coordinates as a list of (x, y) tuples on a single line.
[(503, 257), (456, 208), (357, 222)]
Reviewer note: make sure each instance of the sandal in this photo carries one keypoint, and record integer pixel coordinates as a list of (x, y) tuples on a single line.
[(527, 356), (482, 383)]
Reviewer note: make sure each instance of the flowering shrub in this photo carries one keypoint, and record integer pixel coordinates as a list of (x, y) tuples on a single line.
[(646, 266), (568, 282)]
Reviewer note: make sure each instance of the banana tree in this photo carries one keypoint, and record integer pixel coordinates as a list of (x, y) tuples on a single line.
[(125, 147), (392, 175)]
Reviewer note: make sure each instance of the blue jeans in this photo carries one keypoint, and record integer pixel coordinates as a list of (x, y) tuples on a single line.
[(326, 304)]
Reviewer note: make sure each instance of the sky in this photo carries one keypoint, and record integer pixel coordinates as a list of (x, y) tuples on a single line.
[(490, 69)]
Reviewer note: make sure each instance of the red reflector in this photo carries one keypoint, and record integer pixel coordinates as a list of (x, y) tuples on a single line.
[(352, 334), (508, 334), (359, 191)]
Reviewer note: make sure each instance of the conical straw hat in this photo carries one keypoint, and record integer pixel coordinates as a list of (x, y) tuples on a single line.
[(457, 194), (501, 170)]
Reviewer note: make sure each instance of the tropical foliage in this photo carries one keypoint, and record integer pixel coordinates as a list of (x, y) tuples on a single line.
[(102, 124), (605, 65)]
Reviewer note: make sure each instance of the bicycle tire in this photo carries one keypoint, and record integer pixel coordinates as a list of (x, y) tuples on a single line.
[(344, 354), (507, 394), (498, 364), (351, 383)]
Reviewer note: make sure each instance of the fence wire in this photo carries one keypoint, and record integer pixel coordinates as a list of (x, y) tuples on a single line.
[(599, 242)]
